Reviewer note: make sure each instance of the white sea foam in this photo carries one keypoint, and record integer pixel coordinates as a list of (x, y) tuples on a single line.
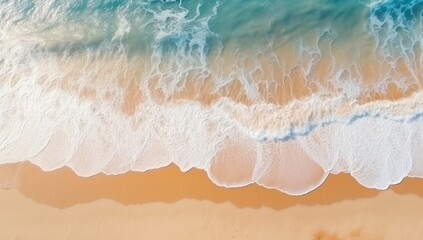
[(291, 148), (50, 120), (62, 106)]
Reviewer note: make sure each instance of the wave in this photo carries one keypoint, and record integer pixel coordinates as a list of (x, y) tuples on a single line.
[(110, 87), (291, 148)]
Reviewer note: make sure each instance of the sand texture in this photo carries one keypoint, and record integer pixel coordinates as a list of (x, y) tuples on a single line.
[(61, 205)]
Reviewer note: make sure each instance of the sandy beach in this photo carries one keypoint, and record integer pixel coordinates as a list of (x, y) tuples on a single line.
[(169, 204), (211, 119)]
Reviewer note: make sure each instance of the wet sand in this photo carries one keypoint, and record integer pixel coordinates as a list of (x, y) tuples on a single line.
[(169, 204), (260, 81)]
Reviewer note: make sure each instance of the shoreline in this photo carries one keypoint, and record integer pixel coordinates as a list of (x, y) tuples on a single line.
[(62, 188), (62, 205)]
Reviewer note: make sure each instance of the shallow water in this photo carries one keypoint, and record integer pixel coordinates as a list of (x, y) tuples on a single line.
[(280, 93)]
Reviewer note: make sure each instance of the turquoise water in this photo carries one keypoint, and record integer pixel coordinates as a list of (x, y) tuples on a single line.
[(193, 34), (279, 93), (198, 27), (323, 45)]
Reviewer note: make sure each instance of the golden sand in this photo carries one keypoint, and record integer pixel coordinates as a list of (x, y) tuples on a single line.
[(168, 204)]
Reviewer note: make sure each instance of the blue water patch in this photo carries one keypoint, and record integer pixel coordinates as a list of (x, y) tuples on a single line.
[(201, 26), (397, 26)]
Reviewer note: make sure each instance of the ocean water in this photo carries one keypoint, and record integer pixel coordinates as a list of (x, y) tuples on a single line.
[(275, 92)]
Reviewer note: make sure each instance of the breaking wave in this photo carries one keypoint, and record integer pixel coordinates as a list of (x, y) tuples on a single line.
[(273, 92)]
